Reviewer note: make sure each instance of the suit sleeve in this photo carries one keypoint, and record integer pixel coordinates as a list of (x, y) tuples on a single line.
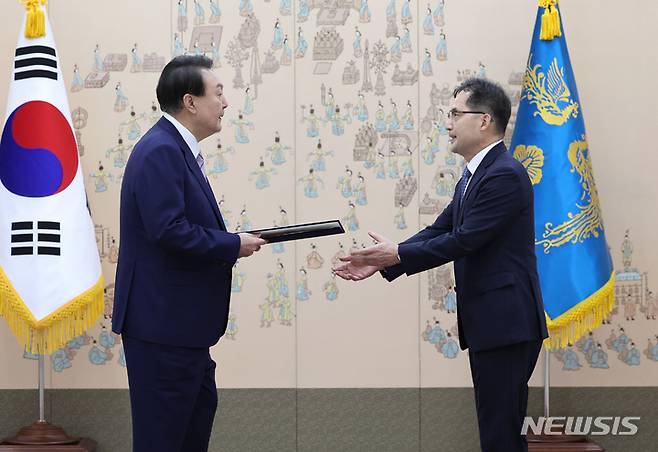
[(441, 225), (499, 201), (159, 195)]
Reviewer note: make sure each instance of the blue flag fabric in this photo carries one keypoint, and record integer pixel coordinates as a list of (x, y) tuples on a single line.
[(574, 264)]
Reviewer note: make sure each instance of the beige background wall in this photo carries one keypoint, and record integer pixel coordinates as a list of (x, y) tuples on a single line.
[(371, 335)]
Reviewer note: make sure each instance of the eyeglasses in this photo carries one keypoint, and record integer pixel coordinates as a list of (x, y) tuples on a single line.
[(454, 114)]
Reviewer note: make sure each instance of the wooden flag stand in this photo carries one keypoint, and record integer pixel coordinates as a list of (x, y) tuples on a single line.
[(43, 436), (559, 442)]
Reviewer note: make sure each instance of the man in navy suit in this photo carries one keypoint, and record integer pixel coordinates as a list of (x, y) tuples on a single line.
[(173, 281), (488, 232)]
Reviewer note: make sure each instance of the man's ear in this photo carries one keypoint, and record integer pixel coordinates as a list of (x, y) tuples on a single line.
[(188, 103), (487, 121)]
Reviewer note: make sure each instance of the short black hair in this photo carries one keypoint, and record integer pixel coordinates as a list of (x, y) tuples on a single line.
[(487, 96), (181, 76)]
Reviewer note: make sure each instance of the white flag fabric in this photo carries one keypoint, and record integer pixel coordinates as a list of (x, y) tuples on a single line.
[(51, 285)]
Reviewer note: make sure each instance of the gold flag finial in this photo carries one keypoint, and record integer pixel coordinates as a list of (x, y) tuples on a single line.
[(550, 20), (35, 25)]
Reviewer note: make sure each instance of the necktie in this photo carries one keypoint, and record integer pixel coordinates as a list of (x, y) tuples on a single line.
[(200, 161), (463, 182)]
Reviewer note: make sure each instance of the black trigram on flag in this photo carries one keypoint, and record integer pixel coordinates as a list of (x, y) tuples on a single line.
[(35, 62), (28, 241)]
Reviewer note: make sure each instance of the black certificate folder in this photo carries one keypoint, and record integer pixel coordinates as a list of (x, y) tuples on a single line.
[(300, 231)]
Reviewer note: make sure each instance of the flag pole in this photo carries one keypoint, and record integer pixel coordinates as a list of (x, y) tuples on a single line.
[(42, 379), (547, 382), (41, 433)]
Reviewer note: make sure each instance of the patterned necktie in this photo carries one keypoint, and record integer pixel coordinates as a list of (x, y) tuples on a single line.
[(463, 182), (200, 161)]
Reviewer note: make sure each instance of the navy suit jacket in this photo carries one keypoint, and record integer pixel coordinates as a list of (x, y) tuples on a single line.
[(491, 240), (173, 281)]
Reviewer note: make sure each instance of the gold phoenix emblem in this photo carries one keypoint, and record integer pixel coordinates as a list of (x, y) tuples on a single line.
[(532, 158), (587, 221), (549, 93)]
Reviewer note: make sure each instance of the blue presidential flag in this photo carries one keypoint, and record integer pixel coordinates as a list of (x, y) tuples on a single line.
[(575, 268)]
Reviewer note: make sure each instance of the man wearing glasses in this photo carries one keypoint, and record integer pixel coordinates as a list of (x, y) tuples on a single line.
[(488, 231)]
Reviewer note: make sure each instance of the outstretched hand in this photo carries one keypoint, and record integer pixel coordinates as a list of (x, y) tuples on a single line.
[(383, 254), (362, 264), (353, 272)]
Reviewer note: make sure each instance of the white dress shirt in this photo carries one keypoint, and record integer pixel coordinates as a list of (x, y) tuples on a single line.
[(190, 140), (477, 159)]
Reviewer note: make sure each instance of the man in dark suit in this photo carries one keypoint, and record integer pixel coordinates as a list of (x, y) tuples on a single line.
[(488, 231), (173, 281)]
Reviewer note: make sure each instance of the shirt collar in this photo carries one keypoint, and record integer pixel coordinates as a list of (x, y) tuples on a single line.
[(189, 139), (475, 161)]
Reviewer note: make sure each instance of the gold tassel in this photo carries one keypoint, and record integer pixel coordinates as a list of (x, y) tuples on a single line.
[(550, 20), (35, 25), (45, 336), (582, 318), (556, 21)]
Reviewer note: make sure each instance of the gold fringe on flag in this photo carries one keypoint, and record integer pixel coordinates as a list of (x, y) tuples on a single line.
[(45, 336), (582, 318), (550, 20), (35, 25)]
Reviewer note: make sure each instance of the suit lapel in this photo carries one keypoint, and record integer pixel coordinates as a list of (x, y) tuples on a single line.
[(491, 156), (193, 166)]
